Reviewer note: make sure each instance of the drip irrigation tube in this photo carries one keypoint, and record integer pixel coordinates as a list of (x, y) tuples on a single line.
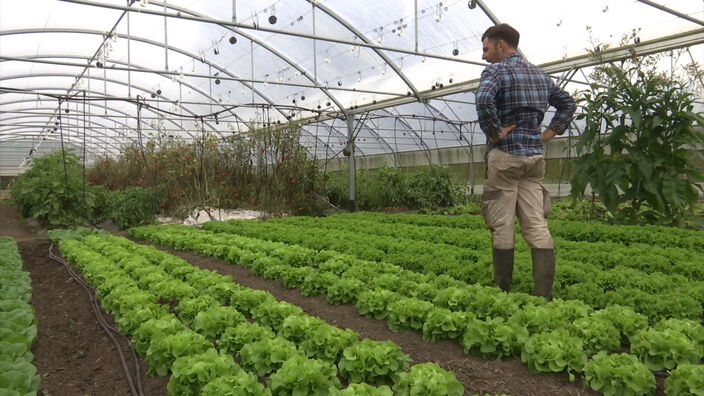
[(135, 385)]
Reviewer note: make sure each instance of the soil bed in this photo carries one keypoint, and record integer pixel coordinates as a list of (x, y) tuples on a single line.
[(72, 353)]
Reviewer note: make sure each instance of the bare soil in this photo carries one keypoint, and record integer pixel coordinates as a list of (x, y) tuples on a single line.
[(74, 355)]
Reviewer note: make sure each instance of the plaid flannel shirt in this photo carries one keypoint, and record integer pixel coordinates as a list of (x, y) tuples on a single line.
[(514, 91)]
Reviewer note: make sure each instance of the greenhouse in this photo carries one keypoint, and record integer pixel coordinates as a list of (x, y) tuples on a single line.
[(326, 197)]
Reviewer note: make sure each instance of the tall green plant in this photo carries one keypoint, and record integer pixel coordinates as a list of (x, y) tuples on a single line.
[(53, 192), (637, 144)]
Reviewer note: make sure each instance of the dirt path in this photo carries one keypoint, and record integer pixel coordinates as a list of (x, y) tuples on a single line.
[(12, 224), (72, 353)]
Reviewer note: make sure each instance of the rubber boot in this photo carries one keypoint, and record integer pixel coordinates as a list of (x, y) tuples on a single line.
[(503, 268), (543, 271)]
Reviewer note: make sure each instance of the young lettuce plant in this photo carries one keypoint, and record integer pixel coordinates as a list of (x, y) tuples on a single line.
[(190, 373), (240, 384), (686, 379), (619, 374), (234, 338), (428, 379), (554, 351), (377, 362), (265, 356), (300, 375)]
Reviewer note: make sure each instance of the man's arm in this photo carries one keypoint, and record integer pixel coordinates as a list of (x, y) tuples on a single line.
[(565, 108), (485, 98)]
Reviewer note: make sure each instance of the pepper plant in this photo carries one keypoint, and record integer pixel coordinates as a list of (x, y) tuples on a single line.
[(637, 146)]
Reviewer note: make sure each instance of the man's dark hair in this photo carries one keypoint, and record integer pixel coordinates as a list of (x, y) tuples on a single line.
[(504, 32)]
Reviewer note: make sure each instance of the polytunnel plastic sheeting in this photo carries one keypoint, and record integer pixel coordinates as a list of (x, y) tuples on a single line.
[(405, 69)]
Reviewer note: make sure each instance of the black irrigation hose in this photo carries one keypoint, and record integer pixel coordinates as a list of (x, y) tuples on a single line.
[(136, 390)]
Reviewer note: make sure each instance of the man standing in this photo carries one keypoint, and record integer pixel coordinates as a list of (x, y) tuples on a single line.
[(512, 98)]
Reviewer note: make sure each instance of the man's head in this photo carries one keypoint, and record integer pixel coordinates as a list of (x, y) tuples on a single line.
[(498, 42)]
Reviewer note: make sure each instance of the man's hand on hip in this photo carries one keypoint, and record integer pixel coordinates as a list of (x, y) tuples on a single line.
[(547, 135), (506, 130)]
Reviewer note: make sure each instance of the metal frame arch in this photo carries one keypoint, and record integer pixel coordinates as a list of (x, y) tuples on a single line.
[(318, 138), (364, 38), (118, 82), (19, 132), (100, 125), (402, 119), (93, 104), (144, 70), (124, 114), (150, 42), (374, 131), (343, 137), (274, 51)]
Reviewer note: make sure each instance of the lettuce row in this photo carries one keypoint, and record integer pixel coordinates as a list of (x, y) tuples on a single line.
[(606, 273), (18, 325), (602, 330), (177, 343)]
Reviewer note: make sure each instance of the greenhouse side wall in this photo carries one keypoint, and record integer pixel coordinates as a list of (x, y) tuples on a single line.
[(467, 164)]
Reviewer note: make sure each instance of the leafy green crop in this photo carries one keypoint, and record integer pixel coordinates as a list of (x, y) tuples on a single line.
[(317, 283), (18, 325), (407, 314), (267, 355), (240, 384), (327, 342), (234, 338), (272, 314), (300, 375), (188, 308), (20, 377), (598, 335), (190, 373), (212, 322), (686, 379), (344, 291), (154, 329), (626, 321), (296, 328), (554, 351), (248, 299), (665, 349), (378, 362), (428, 379), (366, 390), (52, 191), (694, 330), (163, 352), (373, 303), (443, 324), (494, 338), (619, 374)]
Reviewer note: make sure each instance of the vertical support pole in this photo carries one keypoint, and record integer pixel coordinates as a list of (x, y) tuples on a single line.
[(251, 53), (129, 58), (315, 50), (352, 202), (415, 24), (166, 41)]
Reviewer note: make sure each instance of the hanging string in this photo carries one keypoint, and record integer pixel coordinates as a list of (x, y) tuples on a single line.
[(63, 156), (141, 149), (471, 157), (84, 148)]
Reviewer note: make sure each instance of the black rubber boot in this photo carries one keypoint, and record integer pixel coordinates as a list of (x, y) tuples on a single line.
[(503, 268), (543, 271)]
